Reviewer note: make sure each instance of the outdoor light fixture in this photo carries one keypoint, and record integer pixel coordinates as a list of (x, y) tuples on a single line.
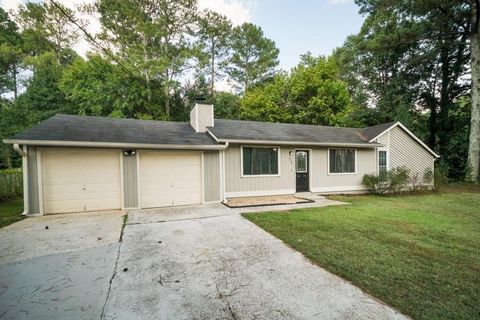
[(129, 153)]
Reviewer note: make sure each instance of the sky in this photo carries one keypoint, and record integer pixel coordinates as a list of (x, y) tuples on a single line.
[(296, 26)]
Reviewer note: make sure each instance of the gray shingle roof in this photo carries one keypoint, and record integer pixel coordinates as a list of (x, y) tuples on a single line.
[(371, 132), (100, 129), (287, 132), (129, 131)]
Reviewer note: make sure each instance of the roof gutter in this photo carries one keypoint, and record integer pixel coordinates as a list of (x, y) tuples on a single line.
[(55, 143), (302, 143)]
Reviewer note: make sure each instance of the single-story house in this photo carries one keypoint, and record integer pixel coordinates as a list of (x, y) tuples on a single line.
[(82, 163)]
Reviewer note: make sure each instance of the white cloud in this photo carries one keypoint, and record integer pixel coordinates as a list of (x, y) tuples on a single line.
[(338, 2), (236, 10)]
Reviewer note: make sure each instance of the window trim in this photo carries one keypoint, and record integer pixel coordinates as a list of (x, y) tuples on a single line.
[(307, 163), (341, 173), (387, 157), (260, 175)]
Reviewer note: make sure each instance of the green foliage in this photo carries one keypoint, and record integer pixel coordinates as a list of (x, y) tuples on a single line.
[(11, 184), (440, 175), (10, 211), (392, 181), (311, 94), (226, 105), (98, 87), (253, 57)]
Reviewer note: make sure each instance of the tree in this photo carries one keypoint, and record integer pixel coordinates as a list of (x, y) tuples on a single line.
[(311, 94), (10, 54), (253, 58), (412, 59), (152, 37), (474, 141), (47, 26), (214, 30), (99, 87)]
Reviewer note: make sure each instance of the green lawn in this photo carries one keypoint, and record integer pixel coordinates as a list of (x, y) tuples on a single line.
[(418, 253), (10, 211)]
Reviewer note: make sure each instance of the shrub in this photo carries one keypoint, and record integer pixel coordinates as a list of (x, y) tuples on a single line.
[(392, 181), (377, 184), (11, 183), (428, 176), (440, 176)]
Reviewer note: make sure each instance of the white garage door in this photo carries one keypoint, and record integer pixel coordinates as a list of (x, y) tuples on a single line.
[(170, 179), (80, 180)]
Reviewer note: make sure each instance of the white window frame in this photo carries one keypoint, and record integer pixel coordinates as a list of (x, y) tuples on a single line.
[(341, 173), (387, 155), (260, 175)]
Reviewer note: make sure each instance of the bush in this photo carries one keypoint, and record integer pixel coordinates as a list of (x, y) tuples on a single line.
[(440, 175), (392, 181), (11, 183)]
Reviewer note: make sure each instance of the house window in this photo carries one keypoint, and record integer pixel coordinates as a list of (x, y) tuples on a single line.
[(260, 161), (342, 161), (382, 161)]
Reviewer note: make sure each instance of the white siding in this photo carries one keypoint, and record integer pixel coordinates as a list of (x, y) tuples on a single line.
[(405, 151), (236, 185), (322, 181)]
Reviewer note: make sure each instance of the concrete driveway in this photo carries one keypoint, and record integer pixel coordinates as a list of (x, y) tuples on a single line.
[(199, 262), (62, 272)]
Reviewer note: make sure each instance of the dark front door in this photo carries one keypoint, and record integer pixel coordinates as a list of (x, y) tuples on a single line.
[(301, 169)]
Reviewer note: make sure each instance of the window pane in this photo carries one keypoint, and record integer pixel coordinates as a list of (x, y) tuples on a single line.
[(247, 161), (332, 161), (257, 161), (301, 161), (382, 160), (342, 161)]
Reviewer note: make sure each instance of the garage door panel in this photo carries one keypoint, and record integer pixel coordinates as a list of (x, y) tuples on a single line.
[(170, 178), (79, 180)]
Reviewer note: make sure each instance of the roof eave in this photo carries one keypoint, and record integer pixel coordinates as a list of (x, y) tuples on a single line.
[(95, 144), (398, 123), (302, 143)]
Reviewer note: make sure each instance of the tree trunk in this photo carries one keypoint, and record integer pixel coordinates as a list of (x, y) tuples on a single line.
[(443, 119), (431, 104), (15, 89), (212, 72), (167, 94), (474, 142)]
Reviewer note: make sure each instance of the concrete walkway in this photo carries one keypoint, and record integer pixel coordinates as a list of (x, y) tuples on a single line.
[(197, 262)]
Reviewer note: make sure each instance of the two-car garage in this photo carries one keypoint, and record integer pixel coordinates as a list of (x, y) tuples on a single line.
[(75, 180)]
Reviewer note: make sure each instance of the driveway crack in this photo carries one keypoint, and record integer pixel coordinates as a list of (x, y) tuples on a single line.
[(224, 299), (115, 266)]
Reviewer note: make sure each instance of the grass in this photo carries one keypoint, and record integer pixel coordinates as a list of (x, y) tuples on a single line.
[(418, 253), (10, 211)]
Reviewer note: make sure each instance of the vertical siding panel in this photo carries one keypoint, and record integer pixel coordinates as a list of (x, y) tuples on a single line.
[(211, 176), (234, 182), (130, 192), (321, 180), (33, 196)]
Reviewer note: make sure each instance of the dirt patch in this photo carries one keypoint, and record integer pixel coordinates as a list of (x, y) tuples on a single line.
[(264, 201)]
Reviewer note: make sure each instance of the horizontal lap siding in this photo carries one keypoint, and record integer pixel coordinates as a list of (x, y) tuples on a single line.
[(211, 176), (321, 180), (234, 182), (405, 151)]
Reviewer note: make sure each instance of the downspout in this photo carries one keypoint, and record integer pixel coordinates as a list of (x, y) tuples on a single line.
[(223, 172), (23, 152)]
